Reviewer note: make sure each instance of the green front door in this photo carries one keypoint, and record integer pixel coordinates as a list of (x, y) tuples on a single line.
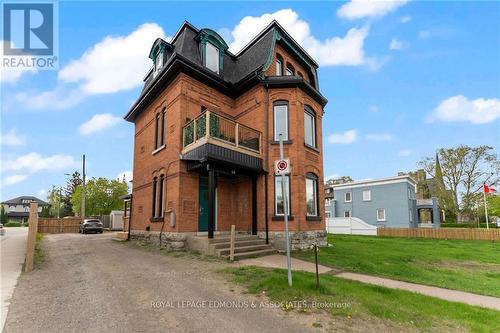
[(203, 199)]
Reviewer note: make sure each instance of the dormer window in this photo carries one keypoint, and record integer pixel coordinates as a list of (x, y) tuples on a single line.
[(212, 57), (289, 69), (159, 54), (158, 62), (279, 65), (213, 49)]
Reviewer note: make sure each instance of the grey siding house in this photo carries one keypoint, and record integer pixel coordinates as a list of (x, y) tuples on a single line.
[(389, 202)]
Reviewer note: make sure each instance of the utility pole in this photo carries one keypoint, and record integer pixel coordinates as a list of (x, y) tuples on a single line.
[(83, 188), (285, 211), (485, 208), (59, 203)]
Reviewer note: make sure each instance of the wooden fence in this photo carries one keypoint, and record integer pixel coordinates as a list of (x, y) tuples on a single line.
[(56, 226), (442, 233)]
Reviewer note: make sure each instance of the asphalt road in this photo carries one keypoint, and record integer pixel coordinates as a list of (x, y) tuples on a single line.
[(90, 283), (13, 251)]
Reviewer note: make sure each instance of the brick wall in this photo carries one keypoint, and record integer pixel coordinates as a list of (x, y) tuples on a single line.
[(183, 100)]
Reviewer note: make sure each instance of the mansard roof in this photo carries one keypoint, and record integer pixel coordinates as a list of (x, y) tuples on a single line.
[(241, 70)]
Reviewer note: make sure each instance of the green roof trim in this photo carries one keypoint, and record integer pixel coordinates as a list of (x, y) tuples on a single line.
[(278, 36)]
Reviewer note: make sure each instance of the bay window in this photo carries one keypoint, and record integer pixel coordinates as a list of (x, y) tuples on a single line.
[(279, 208), (280, 120), (312, 194)]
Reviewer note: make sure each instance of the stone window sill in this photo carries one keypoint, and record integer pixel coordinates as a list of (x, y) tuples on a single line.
[(313, 218), (285, 142), (156, 219), (282, 218), (157, 150), (316, 150)]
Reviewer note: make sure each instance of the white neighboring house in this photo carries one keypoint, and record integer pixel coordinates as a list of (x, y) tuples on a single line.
[(18, 209)]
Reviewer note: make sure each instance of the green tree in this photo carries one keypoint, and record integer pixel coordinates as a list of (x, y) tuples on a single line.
[(45, 211), (102, 196), (339, 180), (464, 169), (3, 216)]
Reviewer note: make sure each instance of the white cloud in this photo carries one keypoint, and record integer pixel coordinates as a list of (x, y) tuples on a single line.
[(14, 179), (461, 109), (405, 152), (357, 9), (34, 162), (439, 32), (396, 44), (117, 63), (98, 123), (60, 98), (125, 174), (333, 51), (379, 137), (405, 19), (374, 109), (114, 64), (11, 138), (346, 137)]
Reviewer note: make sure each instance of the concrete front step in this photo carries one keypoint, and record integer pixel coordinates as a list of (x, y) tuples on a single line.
[(252, 254), (239, 249), (226, 239), (239, 243)]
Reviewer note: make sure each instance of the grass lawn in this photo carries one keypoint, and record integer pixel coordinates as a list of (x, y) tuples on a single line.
[(366, 301), (472, 266)]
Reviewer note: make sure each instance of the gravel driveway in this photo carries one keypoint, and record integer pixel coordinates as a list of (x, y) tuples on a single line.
[(91, 283)]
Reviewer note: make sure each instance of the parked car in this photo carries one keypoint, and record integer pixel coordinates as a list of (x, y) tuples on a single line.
[(2, 230), (91, 225)]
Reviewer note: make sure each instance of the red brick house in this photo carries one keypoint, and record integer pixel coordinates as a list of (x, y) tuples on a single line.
[(207, 124)]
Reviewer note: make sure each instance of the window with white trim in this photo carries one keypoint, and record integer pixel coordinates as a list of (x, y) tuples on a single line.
[(348, 197), (279, 68), (309, 127), (347, 213), (328, 214), (212, 57), (411, 215), (280, 120), (279, 209), (367, 195), (381, 214), (158, 63), (311, 194)]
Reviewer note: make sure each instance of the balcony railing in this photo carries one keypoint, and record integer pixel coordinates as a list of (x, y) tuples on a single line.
[(219, 130)]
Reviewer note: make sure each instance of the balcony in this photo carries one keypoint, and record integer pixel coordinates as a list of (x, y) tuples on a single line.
[(212, 136), (210, 127)]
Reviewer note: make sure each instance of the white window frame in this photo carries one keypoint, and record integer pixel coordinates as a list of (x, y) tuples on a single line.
[(288, 72), (328, 214), (279, 68), (277, 190), (315, 195), (308, 113), (384, 218), (369, 197), (350, 197), (276, 135), (348, 213), (216, 70)]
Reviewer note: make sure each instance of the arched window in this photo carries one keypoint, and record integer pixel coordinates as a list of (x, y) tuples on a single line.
[(289, 69), (153, 211), (279, 65), (300, 74), (280, 115), (311, 194), (160, 129), (309, 126)]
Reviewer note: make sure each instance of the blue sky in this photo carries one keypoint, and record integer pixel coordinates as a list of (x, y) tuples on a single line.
[(402, 79)]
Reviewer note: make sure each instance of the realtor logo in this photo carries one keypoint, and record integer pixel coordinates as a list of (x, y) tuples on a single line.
[(29, 34)]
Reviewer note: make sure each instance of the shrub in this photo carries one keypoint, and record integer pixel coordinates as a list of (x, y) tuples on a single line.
[(13, 224)]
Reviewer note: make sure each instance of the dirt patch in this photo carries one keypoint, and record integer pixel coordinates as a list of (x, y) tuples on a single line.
[(467, 265)]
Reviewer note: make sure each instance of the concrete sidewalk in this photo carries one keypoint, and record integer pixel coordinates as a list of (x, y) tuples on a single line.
[(13, 251), (279, 261)]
